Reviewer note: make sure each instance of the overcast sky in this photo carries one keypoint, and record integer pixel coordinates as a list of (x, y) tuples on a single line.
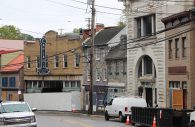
[(40, 16)]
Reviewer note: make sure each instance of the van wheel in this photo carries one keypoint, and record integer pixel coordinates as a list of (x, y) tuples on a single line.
[(121, 118), (106, 116), (191, 124)]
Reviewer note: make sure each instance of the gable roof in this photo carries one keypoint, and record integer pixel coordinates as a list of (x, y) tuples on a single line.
[(103, 36), (72, 36), (117, 52), (7, 51), (15, 65)]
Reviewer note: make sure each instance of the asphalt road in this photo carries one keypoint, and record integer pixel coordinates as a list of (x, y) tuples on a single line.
[(49, 119)]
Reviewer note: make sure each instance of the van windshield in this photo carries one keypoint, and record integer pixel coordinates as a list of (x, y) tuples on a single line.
[(8, 108)]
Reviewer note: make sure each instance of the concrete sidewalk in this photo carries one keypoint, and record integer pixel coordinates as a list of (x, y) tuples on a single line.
[(83, 113)]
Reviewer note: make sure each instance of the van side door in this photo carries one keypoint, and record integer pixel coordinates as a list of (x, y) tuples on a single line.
[(109, 108)]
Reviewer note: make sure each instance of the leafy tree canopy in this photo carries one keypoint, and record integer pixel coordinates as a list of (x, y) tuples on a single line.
[(77, 30), (11, 32), (121, 24)]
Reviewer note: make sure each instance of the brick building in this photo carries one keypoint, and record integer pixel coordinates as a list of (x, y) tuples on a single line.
[(64, 61), (180, 60)]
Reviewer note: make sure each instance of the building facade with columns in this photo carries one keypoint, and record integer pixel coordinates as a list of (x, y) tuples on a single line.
[(146, 47)]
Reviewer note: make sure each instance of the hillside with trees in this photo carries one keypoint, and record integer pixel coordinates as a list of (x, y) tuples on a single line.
[(13, 33)]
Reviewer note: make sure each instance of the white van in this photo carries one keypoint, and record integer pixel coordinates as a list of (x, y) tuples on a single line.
[(120, 107), (192, 119)]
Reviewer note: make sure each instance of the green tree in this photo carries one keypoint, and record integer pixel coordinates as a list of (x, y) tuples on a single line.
[(121, 24), (77, 30), (11, 32), (27, 37)]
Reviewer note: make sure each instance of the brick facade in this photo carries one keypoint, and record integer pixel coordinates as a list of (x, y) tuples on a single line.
[(62, 78)]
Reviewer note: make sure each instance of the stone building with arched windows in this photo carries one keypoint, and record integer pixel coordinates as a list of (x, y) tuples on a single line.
[(146, 75)]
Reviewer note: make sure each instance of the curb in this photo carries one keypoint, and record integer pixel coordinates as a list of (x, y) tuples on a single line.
[(68, 112)]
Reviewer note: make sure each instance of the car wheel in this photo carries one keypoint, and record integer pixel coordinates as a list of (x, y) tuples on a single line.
[(106, 116), (121, 118)]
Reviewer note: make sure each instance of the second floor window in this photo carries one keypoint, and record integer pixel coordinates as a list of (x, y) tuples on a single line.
[(145, 25), (77, 60), (28, 62), (170, 49), (184, 47), (65, 60), (4, 81), (177, 48), (38, 62), (117, 67), (56, 61), (12, 82)]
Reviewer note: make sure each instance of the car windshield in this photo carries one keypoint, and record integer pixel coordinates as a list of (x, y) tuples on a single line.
[(8, 108)]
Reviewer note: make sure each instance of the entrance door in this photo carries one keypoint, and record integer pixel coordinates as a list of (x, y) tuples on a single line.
[(185, 99), (177, 99), (149, 98)]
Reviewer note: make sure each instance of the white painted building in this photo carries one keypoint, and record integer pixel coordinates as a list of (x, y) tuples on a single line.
[(146, 64)]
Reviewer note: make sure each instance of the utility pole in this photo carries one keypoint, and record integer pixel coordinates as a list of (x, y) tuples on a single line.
[(90, 110), (88, 22), (61, 31)]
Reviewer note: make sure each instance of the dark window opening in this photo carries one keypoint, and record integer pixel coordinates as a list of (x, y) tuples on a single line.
[(148, 65)]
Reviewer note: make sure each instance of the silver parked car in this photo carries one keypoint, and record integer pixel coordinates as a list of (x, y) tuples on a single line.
[(16, 114)]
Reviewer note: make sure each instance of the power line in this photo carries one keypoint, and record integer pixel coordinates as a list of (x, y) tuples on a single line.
[(76, 7), (99, 5), (158, 41), (59, 3), (118, 9), (131, 41)]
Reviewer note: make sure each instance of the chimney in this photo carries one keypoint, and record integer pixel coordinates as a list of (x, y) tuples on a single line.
[(99, 26), (87, 32)]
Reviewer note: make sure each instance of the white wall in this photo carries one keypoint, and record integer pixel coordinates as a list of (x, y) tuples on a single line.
[(54, 101)]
